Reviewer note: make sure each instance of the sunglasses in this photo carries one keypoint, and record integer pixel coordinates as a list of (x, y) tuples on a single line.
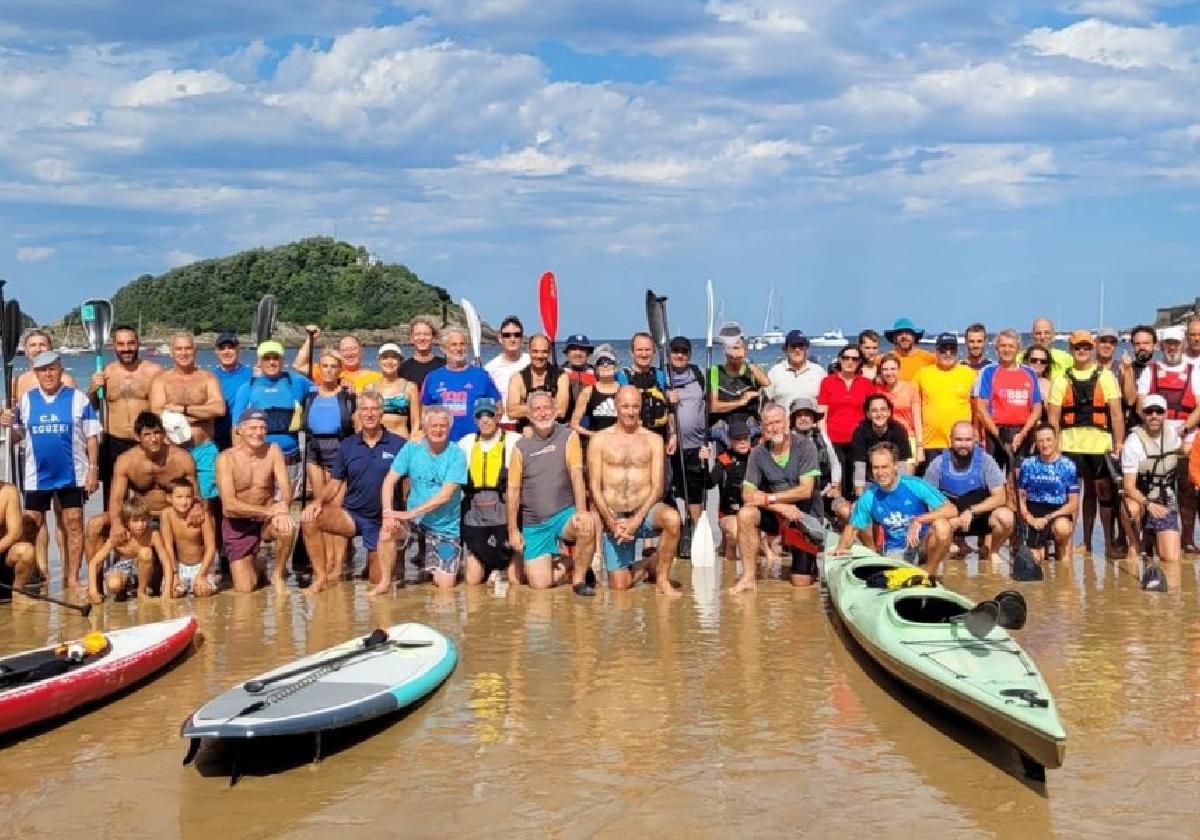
[(851, 358), (511, 334), (1154, 410), (1033, 361), (1075, 347), (491, 415)]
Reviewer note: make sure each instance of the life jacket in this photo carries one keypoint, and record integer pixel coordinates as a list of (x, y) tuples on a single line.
[(280, 420), (1156, 472), (1175, 388), (1083, 404), (347, 403), (730, 489), (578, 380), (966, 488), (792, 536), (486, 470), (550, 386), (728, 387), (902, 578), (656, 411)]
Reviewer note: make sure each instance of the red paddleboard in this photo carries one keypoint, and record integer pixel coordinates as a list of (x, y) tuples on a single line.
[(548, 304)]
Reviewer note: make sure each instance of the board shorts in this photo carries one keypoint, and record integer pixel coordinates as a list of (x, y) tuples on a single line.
[(241, 537), (489, 545), (322, 449), (432, 552), (205, 456), (1040, 537), (112, 448), (367, 528), (541, 540), (999, 448), (1170, 522), (42, 500), (125, 565), (619, 556), (803, 552), (187, 574)]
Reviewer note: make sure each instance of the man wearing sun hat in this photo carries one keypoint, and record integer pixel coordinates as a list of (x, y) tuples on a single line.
[(904, 336)]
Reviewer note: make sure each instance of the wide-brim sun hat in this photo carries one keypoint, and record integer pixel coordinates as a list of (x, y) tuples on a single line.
[(903, 325)]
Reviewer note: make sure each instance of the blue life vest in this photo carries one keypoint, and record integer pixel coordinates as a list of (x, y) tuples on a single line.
[(966, 487)]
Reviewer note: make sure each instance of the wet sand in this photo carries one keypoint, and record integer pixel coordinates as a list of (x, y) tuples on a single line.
[(623, 715)]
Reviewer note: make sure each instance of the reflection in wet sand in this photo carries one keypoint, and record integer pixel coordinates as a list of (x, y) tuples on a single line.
[(714, 716)]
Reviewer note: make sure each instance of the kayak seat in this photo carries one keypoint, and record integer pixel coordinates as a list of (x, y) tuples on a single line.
[(927, 610), (866, 570)]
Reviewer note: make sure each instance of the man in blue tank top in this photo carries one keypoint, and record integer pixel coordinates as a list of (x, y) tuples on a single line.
[(974, 482)]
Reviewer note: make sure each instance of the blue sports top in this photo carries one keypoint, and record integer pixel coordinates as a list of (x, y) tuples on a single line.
[(57, 428), (1048, 483), (895, 509)]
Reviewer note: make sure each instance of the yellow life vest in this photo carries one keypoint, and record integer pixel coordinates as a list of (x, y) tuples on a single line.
[(486, 469)]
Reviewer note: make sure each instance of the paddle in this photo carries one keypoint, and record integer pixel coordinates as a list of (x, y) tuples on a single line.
[(301, 563), (97, 317), (548, 307), (980, 619), (264, 320), (378, 640), (703, 548), (473, 327), (82, 609), (10, 334)]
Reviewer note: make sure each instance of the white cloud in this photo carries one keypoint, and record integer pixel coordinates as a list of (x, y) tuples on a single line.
[(177, 258), (1122, 47), (776, 18), (34, 253), (165, 85), (1122, 9), (53, 170)]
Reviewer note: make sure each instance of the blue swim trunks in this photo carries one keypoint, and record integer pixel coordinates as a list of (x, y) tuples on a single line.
[(541, 540), (366, 528), (205, 456), (624, 555)]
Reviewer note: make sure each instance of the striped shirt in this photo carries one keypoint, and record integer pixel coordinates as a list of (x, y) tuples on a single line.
[(56, 428)]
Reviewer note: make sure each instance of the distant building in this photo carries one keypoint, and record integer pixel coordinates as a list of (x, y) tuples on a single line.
[(1169, 315)]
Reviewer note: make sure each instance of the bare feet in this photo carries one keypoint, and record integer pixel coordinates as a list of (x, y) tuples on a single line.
[(665, 588), (1084, 549), (318, 583), (383, 588), (744, 584), (278, 582)]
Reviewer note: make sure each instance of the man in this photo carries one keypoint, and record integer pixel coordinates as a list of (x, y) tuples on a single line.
[(914, 517), (126, 383), (18, 560), (945, 391), (795, 377), (976, 340), (973, 481), (231, 375), (352, 375), (512, 358), (1041, 334), (256, 492), (278, 395), (456, 385), (360, 467), (422, 332), (778, 491), (437, 472), (1008, 402), (62, 455), (904, 336), (1143, 340), (1107, 339), (485, 515), (687, 383), (651, 383), (625, 476), (1192, 332), (728, 475), (1150, 465), (34, 344), (547, 497), (1048, 495), (1085, 406), (734, 387), (541, 374), (580, 374), (196, 395)]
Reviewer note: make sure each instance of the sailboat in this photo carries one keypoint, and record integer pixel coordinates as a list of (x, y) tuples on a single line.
[(771, 334), (69, 347)]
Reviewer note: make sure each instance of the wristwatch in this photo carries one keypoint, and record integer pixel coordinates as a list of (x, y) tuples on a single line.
[(771, 498)]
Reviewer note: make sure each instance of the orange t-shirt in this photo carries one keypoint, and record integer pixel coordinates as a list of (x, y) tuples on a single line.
[(913, 362), (902, 404)]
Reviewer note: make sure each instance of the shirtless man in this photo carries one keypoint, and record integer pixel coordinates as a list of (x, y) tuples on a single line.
[(126, 383), (17, 562), (252, 480), (149, 471), (625, 475), (196, 394)]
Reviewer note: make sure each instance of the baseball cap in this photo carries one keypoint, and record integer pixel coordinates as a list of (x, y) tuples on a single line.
[(946, 339), (604, 359), (45, 359), (579, 340), (795, 338), (227, 337), (1080, 337), (253, 414), (803, 404), (483, 404), (1108, 332), (680, 344), (178, 430), (1171, 334), (390, 347), (1154, 401), (731, 334), (738, 428), (268, 347)]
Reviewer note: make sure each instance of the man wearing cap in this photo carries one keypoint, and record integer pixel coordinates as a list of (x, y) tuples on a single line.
[(510, 360), (945, 392), (359, 468), (734, 387), (256, 492), (231, 374), (904, 336), (688, 382), (194, 396), (352, 375), (794, 377), (579, 373), (126, 383), (456, 385), (1150, 464), (1085, 406), (61, 462), (1041, 334), (485, 520), (279, 395)]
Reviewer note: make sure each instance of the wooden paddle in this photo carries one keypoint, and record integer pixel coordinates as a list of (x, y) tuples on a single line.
[(474, 328), (548, 307)]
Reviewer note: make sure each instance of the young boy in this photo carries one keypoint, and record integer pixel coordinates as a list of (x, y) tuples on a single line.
[(190, 566), (727, 475), (128, 565)]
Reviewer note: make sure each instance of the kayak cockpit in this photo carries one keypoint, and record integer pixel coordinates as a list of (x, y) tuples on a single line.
[(928, 609), (864, 571)]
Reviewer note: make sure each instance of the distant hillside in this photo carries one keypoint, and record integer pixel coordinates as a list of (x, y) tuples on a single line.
[(319, 280)]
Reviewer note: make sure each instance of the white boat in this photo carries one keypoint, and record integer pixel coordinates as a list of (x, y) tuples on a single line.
[(830, 338), (772, 335), (931, 337)]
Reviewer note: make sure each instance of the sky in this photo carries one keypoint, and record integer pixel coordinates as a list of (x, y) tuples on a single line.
[(943, 160)]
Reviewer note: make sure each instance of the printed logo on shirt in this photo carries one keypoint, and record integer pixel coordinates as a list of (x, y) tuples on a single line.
[(49, 424), (455, 401), (548, 449), (1014, 396)]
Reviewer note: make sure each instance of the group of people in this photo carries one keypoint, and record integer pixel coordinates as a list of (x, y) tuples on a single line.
[(546, 473)]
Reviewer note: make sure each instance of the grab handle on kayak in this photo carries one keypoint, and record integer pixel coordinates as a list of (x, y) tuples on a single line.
[(1028, 695)]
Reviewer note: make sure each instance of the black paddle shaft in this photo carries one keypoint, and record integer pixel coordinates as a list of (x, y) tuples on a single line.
[(82, 609), (255, 686), (656, 315)]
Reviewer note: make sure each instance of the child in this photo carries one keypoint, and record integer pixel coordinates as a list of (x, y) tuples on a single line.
[(727, 476), (128, 565), (190, 566)]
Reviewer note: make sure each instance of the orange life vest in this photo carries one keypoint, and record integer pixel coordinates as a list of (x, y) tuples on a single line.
[(1083, 404)]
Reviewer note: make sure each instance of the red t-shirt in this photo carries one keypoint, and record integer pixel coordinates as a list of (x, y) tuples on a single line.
[(843, 404), (1011, 393)]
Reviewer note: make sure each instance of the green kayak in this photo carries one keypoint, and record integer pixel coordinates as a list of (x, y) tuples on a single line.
[(919, 636)]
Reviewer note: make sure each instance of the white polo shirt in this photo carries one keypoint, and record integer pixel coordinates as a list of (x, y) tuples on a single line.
[(788, 384)]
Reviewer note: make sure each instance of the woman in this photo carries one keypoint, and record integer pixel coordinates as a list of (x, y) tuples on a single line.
[(1039, 360), (328, 419), (401, 399), (906, 403), (842, 394), (597, 404), (539, 375), (877, 427)]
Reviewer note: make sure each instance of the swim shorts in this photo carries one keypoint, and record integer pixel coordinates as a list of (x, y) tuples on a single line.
[(366, 528), (189, 572), (624, 555), (241, 537), (42, 500), (541, 540), (432, 552), (112, 448)]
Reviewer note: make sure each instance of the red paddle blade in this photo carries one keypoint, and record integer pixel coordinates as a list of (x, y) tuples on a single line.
[(548, 304)]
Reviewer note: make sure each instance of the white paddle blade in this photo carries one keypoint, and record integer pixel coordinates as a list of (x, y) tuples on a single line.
[(706, 589), (704, 549), (473, 326), (712, 311)]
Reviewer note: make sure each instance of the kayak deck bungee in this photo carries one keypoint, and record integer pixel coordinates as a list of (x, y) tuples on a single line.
[(131, 655), (918, 636)]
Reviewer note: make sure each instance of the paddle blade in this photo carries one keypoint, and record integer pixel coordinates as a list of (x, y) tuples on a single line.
[(12, 329), (982, 619), (1013, 609), (97, 318), (548, 304), (712, 311), (473, 327), (1153, 578), (264, 319), (706, 588), (704, 549), (656, 317), (1025, 566)]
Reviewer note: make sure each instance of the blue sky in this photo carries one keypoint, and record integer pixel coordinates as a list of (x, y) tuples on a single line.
[(943, 160)]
